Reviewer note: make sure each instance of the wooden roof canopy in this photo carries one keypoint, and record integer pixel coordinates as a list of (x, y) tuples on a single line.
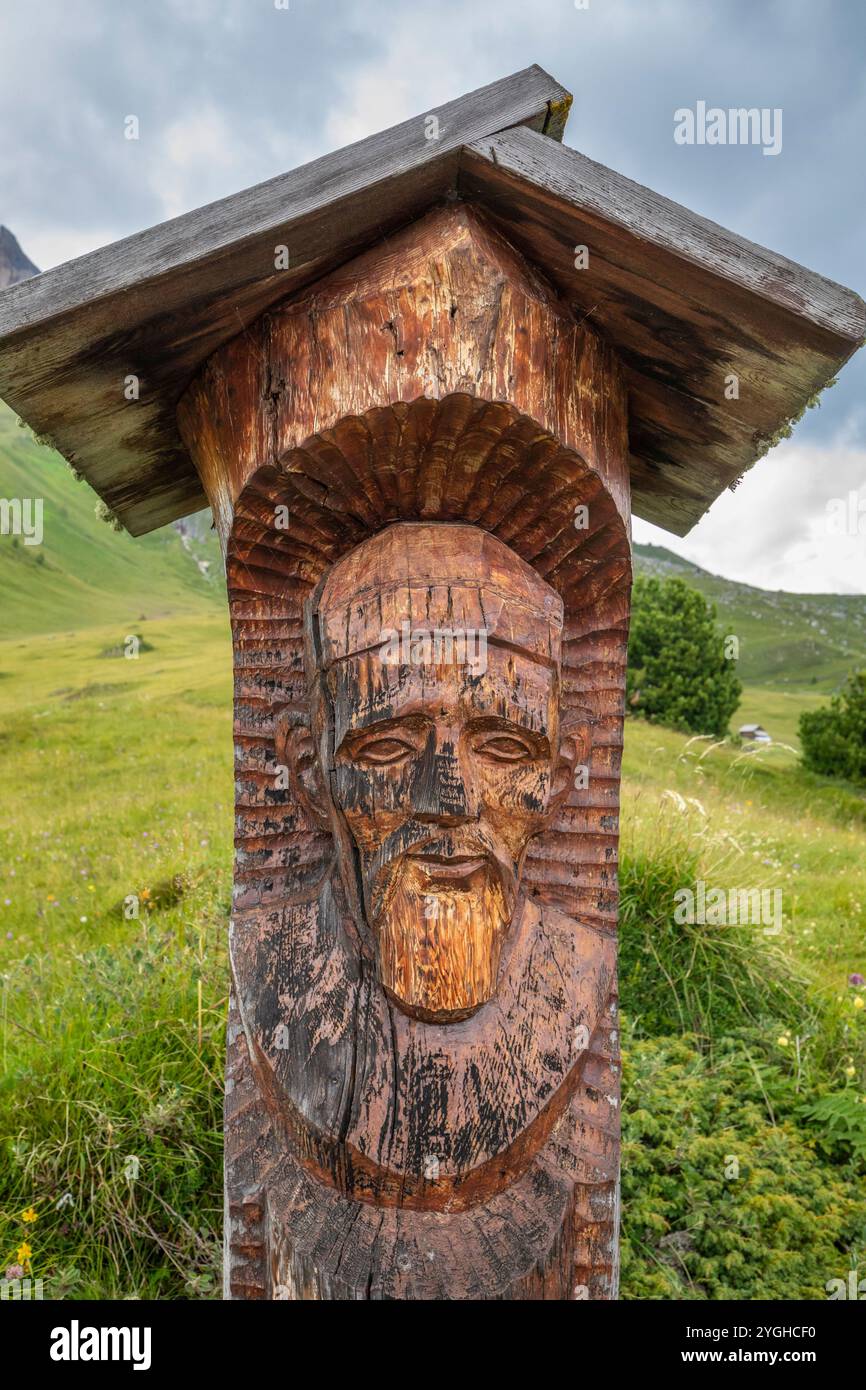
[(683, 301)]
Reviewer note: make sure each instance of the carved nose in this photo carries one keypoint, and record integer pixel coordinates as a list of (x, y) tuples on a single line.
[(449, 798)]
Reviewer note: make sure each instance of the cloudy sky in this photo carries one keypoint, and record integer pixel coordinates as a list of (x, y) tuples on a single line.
[(230, 92)]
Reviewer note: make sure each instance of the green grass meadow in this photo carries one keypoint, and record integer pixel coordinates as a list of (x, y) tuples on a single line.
[(117, 777), (744, 1097), (117, 780)]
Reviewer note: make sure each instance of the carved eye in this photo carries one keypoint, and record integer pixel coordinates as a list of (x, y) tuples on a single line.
[(382, 751), (502, 748)]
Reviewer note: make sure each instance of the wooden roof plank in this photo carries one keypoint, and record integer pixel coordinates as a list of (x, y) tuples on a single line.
[(686, 303), (571, 177), (156, 304), (530, 96)]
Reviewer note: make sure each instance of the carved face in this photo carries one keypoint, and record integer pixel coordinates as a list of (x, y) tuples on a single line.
[(441, 797), (440, 748)]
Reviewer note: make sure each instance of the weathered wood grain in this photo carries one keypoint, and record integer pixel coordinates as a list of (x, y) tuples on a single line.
[(685, 302), (527, 1244), (441, 309), (400, 1126), (158, 303)]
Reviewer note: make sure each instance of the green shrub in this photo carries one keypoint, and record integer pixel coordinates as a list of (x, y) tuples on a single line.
[(725, 1195), (834, 737), (841, 1120), (678, 673)]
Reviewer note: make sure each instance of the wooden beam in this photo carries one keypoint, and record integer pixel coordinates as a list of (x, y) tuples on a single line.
[(416, 316)]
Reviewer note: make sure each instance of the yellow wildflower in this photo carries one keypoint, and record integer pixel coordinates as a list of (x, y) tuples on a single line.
[(24, 1252), (29, 1214)]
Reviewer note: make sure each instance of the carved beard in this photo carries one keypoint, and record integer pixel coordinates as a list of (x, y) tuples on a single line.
[(440, 932)]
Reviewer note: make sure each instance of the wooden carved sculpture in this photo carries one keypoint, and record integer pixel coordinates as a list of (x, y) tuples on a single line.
[(433, 1038), (429, 601), (421, 382)]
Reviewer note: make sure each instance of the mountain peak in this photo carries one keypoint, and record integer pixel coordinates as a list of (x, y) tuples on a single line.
[(14, 265)]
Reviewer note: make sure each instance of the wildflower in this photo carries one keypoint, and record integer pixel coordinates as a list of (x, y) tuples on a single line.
[(82, 919), (782, 1041), (858, 1002), (850, 1071), (15, 1272), (29, 1215), (23, 1253), (91, 888), (144, 894), (856, 980)]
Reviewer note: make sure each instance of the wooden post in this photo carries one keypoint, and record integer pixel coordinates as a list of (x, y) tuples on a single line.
[(419, 469)]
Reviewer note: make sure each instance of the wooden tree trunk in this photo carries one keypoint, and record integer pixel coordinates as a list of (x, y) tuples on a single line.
[(422, 1092)]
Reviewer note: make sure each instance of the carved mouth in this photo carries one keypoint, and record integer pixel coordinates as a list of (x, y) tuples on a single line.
[(449, 866)]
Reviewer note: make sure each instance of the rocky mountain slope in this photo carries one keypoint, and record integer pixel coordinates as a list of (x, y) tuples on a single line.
[(14, 265)]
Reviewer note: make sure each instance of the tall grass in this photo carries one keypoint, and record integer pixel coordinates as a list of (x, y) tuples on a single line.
[(111, 1108), (691, 977)]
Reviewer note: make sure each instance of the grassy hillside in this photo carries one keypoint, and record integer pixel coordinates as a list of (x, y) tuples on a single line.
[(85, 574), (787, 641)]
